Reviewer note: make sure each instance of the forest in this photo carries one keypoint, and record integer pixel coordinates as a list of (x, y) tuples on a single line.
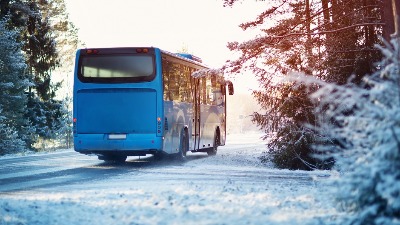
[(329, 72), (329, 90), (37, 45)]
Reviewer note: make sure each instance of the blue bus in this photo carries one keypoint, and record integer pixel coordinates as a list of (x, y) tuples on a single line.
[(137, 101)]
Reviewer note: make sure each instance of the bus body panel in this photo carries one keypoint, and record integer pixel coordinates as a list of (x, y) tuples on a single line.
[(178, 116), (95, 143), (210, 123), (116, 111)]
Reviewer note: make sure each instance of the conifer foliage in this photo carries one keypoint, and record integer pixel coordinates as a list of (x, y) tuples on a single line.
[(367, 125), (13, 84), (330, 40), (44, 37)]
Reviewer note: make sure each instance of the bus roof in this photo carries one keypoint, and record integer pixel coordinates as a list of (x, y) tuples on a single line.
[(206, 71), (190, 56), (186, 57)]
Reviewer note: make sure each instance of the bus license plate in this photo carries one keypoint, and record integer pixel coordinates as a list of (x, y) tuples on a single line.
[(116, 136)]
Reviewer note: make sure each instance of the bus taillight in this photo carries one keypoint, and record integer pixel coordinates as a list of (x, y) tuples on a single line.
[(158, 125), (142, 50), (74, 126), (92, 51)]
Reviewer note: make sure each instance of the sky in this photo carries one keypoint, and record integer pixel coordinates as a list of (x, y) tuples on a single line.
[(203, 27)]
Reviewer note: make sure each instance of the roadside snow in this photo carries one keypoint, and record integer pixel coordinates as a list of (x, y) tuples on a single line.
[(230, 188)]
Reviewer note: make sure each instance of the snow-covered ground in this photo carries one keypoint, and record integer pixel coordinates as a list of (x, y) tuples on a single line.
[(230, 188)]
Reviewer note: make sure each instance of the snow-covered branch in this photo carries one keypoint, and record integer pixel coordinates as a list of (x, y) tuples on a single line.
[(366, 121), (207, 72)]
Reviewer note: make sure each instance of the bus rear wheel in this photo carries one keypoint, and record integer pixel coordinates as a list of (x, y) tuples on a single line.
[(112, 158), (183, 146), (213, 150)]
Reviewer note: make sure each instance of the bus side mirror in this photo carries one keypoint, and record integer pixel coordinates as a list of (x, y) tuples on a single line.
[(230, 88)]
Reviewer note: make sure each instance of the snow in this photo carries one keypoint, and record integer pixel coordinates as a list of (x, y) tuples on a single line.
[(230, 188), (364, 119)]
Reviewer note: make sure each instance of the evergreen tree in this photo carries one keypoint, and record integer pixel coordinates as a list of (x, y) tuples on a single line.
[(16, 13), (13, 83), (353, 28), (49, 41), (271, 57), (67, 43), (368, 159), (327, 39), (41, 55), (53, 42)]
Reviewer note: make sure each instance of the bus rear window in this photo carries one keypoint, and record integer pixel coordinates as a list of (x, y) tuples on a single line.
[(116, 68)]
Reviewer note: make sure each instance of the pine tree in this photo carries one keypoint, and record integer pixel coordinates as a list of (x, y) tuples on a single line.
[(353, 28), (15, 11), (331, 40), (368, 158), (41, 56), (49, 41), (67, 43), (271, 57), (13, 83)]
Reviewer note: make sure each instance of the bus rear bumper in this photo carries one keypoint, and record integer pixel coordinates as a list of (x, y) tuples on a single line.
[(132, 144)]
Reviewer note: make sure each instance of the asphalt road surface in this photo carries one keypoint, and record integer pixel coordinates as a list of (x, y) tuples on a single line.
[(230, 187)]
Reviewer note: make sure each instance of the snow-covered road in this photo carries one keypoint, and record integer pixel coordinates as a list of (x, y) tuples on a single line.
[(231, 188)]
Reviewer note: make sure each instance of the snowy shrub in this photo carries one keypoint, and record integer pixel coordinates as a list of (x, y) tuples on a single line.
[(291, 146), (12, 98), (363, 127), (9, 140)]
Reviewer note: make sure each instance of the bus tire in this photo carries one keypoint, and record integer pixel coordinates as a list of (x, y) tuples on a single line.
[(213, 150), (159, 156), (183, 146), (112, 158)]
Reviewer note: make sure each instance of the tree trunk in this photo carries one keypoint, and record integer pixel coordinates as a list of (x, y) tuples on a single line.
[(309, 43), (388, 18), (325, 9), (396, 17)]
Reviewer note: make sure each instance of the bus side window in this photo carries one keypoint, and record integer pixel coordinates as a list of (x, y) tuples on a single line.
[(175, 80), (203, 90), (216, 90), (210, 97), (171, 74), (166, 70), (178, 81), (184, 85), (192, 84)]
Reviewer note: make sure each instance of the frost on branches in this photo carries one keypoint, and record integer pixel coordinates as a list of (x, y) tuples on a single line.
[(363, 124), (12, 98)]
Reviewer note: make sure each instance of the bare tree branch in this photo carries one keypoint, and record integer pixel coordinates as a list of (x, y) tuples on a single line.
[(330, 31)]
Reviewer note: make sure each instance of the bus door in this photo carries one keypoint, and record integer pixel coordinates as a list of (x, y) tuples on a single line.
[(196, 115)]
